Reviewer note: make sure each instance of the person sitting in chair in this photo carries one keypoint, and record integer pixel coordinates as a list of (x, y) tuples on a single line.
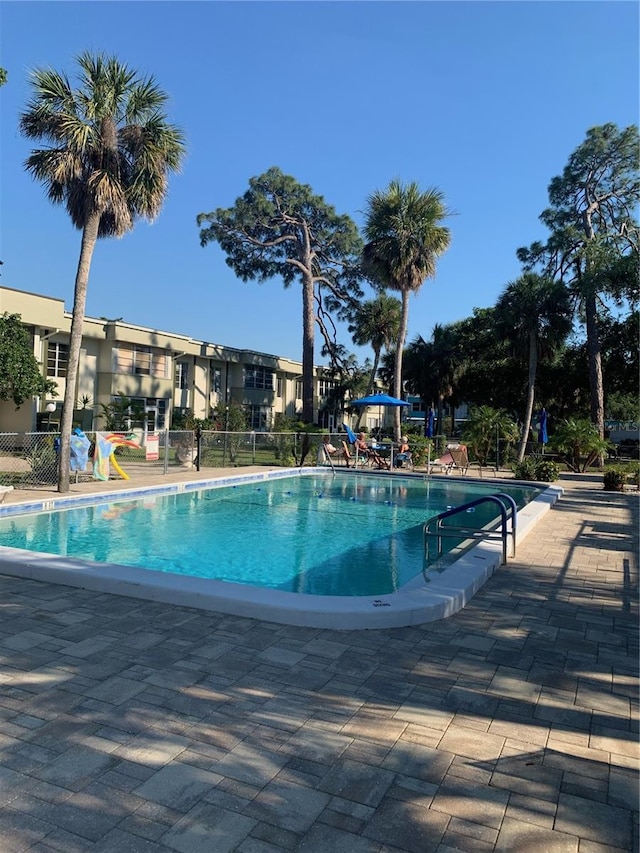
[(370, 452), (404, 454), (327, 449)]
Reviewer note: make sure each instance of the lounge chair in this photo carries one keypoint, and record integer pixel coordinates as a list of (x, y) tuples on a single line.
[(325, 455), (4, 491), (455, 456), (445, 463), (460, 457)]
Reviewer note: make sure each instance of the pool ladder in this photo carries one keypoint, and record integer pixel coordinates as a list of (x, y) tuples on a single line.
[(507, 507)]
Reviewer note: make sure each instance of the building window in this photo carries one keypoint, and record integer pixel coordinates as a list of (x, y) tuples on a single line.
[(182, 375), (140, 361), (57, 359), (258, 417), (258, 377), (325, 387), (417, 407), (299, 390), (162, 414), (280, 387), (216, 379)]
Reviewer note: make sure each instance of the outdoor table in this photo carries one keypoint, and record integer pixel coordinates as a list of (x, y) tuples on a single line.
[(383, 451)]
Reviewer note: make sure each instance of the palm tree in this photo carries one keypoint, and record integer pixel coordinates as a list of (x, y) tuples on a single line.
[(485, 428), (376, 322), (404, 236), (534, 313), (109, 151), (431, 369)]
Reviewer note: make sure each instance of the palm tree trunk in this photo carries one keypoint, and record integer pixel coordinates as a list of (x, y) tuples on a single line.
[(595, 363), (308, 320), (596, 385), (533, 366), (397, 375), (440, 424), (370, 384), (89, 238)]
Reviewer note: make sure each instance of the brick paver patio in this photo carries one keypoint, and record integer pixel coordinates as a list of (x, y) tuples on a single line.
[(135, 727)]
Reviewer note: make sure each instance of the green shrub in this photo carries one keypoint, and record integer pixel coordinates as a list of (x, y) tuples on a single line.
[(578, 443), (547, 471), (525, 470), (419, 446), (538, 469), (486, 425), (614, 478)]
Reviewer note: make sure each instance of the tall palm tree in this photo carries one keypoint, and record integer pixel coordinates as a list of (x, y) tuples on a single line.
[(376, 322), (533, 312), (404, 236), (109, 149)]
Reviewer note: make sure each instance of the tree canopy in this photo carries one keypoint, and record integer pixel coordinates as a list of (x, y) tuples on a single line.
[(280, 228), (592, 224), (20, 373)]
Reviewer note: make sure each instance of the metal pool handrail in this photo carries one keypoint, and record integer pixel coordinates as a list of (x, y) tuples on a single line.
[(328, 459), (504, 502)]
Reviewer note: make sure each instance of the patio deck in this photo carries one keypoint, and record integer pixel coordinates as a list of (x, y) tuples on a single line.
[(135, 726)]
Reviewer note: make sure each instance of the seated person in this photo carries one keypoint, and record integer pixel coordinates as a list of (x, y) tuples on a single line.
[(326, 449), (370, 452), (403, 454)]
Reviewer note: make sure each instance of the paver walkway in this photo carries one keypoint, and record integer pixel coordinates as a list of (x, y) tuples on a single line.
[(136, 727)]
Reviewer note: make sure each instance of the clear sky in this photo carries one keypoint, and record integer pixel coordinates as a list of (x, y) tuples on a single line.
[(484, 100)]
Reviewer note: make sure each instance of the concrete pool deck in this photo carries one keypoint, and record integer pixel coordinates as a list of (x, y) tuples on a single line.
[(135, 726)]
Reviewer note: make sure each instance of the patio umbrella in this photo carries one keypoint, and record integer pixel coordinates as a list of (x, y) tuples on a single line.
[(543, 438), (430, 427), (379, 400)]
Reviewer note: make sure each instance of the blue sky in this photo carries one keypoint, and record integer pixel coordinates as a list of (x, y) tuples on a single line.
[(484, 100)]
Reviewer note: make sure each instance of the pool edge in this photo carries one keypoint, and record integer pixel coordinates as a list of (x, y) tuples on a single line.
[(439, 597)]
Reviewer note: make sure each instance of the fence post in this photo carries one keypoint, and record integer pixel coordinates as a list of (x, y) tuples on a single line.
[(198, 446), (166, 451)]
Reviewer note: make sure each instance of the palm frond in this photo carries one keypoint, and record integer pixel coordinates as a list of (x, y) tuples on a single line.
[(111, 148)]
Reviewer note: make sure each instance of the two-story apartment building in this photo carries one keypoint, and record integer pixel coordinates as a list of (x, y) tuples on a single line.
[(161, 372)]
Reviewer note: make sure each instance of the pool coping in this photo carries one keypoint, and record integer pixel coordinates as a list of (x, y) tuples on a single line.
[(421, 600)]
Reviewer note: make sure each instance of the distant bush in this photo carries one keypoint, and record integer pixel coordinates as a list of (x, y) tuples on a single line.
[(578, 443), (535, 468), (614, 479)]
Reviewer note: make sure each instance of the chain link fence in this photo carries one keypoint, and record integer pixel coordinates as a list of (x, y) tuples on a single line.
[(30, 460)]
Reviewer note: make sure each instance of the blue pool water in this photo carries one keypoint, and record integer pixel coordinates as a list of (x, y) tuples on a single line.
[(356, 535)]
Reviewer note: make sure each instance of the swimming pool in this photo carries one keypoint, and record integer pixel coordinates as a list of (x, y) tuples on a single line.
[(310, 537)]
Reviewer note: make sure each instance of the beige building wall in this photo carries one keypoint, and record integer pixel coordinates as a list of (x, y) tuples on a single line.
[(16, 420), (101, 378)]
